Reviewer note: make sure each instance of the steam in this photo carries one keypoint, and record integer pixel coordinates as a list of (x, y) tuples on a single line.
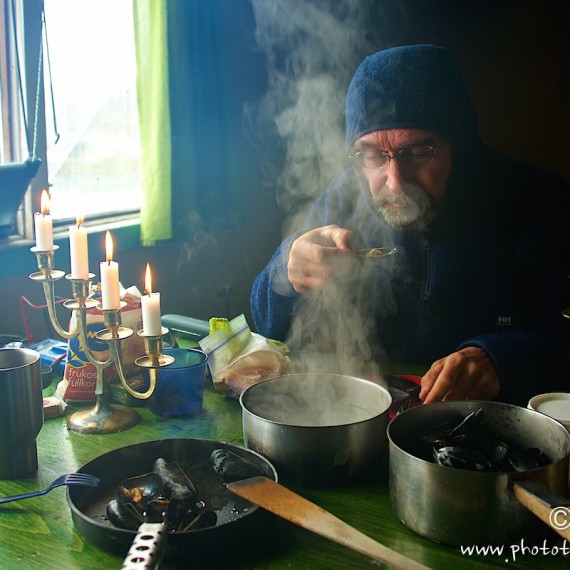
[(313, 48), (334, 330)]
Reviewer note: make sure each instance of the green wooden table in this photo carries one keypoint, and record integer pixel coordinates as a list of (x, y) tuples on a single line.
[(39, 532)]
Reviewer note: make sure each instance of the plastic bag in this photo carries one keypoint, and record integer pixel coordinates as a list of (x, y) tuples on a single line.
[(238, 358)]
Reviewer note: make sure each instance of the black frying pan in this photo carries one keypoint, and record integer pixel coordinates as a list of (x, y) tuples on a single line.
[(237, 530)]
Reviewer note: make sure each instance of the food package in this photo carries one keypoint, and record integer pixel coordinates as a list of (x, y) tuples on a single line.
[(80, 376), (238, 358)]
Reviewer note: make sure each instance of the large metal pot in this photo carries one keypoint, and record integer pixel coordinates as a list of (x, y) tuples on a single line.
[(460, 507), (316, 428)]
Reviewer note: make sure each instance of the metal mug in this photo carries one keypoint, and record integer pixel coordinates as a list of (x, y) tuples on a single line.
[(21, 411)]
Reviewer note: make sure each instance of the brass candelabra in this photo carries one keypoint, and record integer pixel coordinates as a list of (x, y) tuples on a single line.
[(104, 417)]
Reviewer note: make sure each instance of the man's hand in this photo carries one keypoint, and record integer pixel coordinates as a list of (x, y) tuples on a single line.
[(467, 374), (318, 256)]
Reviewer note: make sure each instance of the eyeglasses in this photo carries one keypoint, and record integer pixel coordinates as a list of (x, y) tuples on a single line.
[(413, 155)]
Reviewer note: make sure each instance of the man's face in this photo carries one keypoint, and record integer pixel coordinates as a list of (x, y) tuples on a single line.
[(406, 189)]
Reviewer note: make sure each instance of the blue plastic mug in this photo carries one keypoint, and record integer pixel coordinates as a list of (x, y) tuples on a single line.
[(180, 388)]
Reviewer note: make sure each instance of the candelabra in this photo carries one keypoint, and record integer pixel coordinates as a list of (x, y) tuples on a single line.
[(104, 417)]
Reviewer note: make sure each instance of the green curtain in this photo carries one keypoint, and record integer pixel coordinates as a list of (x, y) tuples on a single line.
[(151, 44), (197, 71)]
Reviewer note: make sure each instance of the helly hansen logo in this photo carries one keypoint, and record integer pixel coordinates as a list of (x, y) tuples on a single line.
[(505, 321)]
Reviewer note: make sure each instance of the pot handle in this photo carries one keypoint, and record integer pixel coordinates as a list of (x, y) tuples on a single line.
[(147, 549), (545, 505)]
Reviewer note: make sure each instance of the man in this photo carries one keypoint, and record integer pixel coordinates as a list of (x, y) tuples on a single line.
[(480, 275)]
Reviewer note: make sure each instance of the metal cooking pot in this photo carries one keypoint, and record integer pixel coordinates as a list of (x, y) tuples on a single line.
[(460, 507), (244, 531), (316, 428)]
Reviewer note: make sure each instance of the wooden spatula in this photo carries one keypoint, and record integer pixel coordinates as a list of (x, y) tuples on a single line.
[(292, 507)]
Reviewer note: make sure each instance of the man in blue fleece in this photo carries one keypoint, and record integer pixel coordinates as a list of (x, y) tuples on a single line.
[(480, 277)]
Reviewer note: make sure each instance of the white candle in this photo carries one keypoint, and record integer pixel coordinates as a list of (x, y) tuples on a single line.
[(78, 251), (150, 305), (110, 292), (43, 225)]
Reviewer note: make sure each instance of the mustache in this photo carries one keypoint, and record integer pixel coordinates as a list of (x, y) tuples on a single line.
[(410, 207), (403, 201), (410, 194)]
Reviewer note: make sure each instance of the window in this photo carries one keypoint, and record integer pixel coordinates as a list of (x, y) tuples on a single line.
[(94, 166), (88, 127)]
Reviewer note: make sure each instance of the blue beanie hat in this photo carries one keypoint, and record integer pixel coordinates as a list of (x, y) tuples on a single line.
[(407, 87)]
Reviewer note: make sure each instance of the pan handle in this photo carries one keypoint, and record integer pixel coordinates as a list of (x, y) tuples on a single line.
[(147, 549), (545, 505)]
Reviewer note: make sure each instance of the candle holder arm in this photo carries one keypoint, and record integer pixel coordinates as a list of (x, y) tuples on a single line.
[(82, 333), (49, 294), (118, 358)]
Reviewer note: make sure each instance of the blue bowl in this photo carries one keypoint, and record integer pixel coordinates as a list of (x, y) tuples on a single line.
[(180, 387)]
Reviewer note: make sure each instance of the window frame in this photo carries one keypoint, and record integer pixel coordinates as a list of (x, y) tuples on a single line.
[(15, 257), (28, 21)]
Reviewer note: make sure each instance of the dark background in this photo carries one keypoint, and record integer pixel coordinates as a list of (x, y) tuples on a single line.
[(514, 55)]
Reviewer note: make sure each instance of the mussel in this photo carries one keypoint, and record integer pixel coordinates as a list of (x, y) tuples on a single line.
[(439, 435), (470, 444), (469, 424), (231, 467), (461, 457), (177, 485), (499, 455), (520, 461), (180, 492), (124, 515), (166, 494), (134, 495), (140, 490)]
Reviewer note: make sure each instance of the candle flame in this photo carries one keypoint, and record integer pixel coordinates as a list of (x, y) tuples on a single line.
[(147, 280), (79, 221), (45, 203), (108, 247)]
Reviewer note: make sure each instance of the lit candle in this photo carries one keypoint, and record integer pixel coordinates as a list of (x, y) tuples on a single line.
[(78, 250), (43, 225), (110, 293), (150, 308)]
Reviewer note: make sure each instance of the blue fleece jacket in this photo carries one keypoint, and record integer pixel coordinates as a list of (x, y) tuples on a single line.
[(492, 270)]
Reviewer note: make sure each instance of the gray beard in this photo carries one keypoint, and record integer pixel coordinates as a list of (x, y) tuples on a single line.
[(415, 208)]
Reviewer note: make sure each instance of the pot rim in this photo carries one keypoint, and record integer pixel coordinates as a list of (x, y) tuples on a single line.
[(469, 404), (352, 378)]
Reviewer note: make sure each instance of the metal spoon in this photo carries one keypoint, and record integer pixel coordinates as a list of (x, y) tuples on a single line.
[(376, 252)]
